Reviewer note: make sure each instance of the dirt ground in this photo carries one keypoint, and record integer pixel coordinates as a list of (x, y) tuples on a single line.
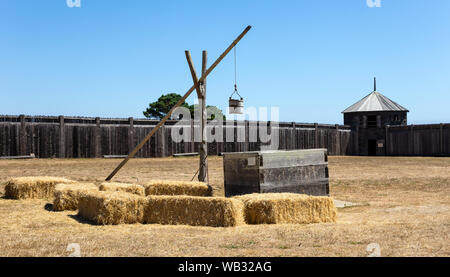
[(405, 210)]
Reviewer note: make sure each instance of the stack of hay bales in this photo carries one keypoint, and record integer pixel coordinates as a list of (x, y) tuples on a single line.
[(191, 203), (67, 195), (161, 187), (33, 187), (130, 188), (287, 208), (194, 210), (112, 208)]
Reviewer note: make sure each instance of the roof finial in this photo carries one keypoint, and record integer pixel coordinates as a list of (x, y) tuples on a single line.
[(374, 83)]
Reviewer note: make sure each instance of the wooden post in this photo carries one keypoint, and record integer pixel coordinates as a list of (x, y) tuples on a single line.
[(62, 137), (130, 134), (97, 135), (338, 141), (22, 136), (186, 95), (201, 95), (294, 136), (356, 136), (411, 140), (316, 136), (160, 142), (441, 138), (203, 173)]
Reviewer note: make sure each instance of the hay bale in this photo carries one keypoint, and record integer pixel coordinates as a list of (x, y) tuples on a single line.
[(194, 210), (111, 208), (130, 188), (273, 208), (33, 187), (160, 187), (67, 195)]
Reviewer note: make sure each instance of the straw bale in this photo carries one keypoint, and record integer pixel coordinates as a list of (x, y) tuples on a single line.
[(288, 208), (112, 208), (130, 188), (33, 187), (161, 187), (194, 210), (67, 195)]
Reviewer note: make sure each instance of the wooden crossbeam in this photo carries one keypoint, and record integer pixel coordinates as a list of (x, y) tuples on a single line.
[(186, 95)]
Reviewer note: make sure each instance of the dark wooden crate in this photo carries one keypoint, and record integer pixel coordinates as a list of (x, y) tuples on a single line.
[(297, 171)]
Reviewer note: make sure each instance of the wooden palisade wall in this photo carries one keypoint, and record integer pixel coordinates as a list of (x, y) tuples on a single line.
[(74, 137)]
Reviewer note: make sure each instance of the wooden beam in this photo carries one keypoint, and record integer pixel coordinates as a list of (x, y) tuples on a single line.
[(201, 94), (193, 74), (186, 95), (203, 172)]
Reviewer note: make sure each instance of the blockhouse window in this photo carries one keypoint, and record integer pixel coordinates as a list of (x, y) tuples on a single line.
[(372, 121)]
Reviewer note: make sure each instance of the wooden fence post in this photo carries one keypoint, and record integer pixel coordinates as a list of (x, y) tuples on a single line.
[(22, 136), (441, 138), (62, 137), (411, 140), (316, 135), (130, 134), (97, 139), (160, 142), (294, 136), (338, 141)]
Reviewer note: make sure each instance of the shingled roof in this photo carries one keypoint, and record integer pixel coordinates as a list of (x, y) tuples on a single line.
[(375, 101)]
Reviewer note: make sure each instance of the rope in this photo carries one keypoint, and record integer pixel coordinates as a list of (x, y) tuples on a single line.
[(207, 174), (235, 76), (235, 70)]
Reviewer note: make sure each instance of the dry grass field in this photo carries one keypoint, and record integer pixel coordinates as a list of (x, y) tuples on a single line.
[(405, 209)]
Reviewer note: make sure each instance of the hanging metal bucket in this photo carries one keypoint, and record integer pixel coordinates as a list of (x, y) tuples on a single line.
[(235, 106)]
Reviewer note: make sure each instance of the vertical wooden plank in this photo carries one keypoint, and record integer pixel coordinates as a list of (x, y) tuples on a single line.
[(411, 140), (441, 138), (316, 135), (130, 134), (378, 121), (62, 137), (160, 142), (364, 121), (294, 136), (97, 139), (22, 136), (338, 141)]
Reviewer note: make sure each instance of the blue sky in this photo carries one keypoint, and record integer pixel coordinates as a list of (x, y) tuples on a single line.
[(312, 59)]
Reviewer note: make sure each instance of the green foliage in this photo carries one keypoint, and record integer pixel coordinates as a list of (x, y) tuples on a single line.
[(158, 109)]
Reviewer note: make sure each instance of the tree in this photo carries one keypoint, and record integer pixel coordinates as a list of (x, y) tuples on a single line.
[(159, 109)]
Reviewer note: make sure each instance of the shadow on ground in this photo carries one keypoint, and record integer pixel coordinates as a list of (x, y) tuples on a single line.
[(81, 220)]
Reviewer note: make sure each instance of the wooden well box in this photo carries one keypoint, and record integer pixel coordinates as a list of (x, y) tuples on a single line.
[(296, 171)]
